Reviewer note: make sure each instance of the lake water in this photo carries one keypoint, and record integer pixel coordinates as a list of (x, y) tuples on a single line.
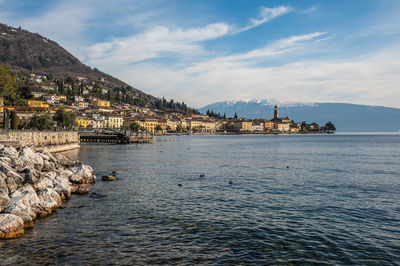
[(323, 199)]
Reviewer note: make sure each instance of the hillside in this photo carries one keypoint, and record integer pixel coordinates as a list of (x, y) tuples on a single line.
[(346, 117), (29, 52)]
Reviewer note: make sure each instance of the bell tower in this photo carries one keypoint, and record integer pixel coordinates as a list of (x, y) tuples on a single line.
[(276, 112)]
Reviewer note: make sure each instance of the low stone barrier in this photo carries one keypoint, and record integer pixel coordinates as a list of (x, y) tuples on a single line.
[(54, 140)]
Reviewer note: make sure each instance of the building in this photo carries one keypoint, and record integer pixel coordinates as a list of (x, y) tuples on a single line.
[(242, 125), (267, 125), (281, 124), (81, 104), (172, 124), (163, 124), (257, 126), (148, 124), (100, 103), (114, 121), (313, 127), (34, 103), (62, 97), (83, 121)]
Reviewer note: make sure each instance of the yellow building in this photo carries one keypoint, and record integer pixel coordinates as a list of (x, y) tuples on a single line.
[(267, 125), (83, 121), (163, 124), (242, 125), (148, 124), (100, 103), (33, 103), (115, 121)]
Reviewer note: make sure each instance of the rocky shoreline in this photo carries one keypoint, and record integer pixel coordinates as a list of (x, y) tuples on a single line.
[(33, 183)]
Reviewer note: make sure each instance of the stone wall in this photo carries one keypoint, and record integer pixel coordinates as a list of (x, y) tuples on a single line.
[(39, 138)]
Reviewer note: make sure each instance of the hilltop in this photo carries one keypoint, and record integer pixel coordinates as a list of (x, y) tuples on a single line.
[(28, 52)]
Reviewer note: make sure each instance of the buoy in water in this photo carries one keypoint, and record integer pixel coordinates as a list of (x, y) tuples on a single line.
[(230, 182)]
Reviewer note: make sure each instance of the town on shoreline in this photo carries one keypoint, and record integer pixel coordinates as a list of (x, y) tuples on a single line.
[(43, 102)]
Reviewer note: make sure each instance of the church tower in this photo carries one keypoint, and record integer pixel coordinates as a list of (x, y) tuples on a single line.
[(276, 112)]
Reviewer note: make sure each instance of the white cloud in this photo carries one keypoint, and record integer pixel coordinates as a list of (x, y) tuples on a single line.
[(371, 79), (266, 15), (161, 40), (154, 43)]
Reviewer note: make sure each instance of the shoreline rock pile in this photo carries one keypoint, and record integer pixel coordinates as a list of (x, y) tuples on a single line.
[(33, 183)]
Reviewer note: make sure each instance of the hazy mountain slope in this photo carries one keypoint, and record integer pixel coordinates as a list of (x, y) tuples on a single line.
[(346, 117)]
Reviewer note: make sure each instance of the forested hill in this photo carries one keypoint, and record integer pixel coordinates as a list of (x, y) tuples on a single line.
[(22, 50)]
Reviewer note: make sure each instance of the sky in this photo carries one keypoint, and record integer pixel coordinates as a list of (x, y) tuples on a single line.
[(205, 51)]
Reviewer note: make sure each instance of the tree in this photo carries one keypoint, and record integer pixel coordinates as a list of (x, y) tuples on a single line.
[(330, 126), (25, 92), (65, 119), (304, 125), (6, 119), (134, 127), (14, 120), (41, 122), (235, 116), (8, 85), (158, 128)]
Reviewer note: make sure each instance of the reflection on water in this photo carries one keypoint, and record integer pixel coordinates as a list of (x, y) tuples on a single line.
[(338, 202)]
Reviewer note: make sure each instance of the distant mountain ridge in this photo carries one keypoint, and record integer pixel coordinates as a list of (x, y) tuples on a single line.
[(346, 117)]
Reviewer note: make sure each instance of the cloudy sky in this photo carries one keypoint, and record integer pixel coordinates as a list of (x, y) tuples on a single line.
[(204, 51)]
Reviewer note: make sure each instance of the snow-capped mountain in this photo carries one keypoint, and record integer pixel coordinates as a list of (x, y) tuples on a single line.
[(346, 117)]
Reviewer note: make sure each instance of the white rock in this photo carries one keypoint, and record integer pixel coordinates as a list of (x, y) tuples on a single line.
[(9, 151), (29, 156), (11, 225), (62, 186), (49, 200), (83, 170)]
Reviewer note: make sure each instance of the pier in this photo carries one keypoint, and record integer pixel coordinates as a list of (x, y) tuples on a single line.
[(114, 136)]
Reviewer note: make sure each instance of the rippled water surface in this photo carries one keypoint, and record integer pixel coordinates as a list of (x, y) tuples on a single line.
[(323, 199)]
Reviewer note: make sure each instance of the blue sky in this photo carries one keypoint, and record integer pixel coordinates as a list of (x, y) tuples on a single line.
[(213, 50)]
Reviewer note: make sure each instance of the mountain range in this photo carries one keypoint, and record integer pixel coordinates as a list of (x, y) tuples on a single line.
[(346, 117)]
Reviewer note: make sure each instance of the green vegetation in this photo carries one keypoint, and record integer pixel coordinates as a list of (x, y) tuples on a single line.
[(65, 119), (158, 128), (330, 127), (134, 127), (8, 85), (14, 120), (41, 122)]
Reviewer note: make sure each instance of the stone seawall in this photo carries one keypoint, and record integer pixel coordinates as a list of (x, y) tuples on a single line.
[(52, 139)]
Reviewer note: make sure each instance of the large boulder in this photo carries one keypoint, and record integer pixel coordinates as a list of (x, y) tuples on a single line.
[(63, 160), (62, 186), (84, 171), (4, 201), (30, 157), (3, 184), (21, 204), (13, 179), (49, 200), (9, 151), (11, 226)]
